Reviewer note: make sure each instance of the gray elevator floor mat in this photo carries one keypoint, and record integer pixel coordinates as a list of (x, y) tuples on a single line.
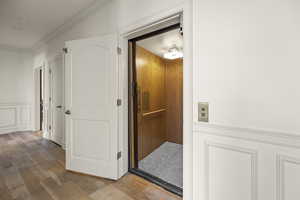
[(166, 163)]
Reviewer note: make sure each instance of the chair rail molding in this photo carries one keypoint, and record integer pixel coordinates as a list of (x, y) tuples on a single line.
[(15, 117), (256, 135)]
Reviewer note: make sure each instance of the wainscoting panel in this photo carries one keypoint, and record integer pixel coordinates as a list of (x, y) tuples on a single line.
[(8, 117), (15, 117), (233, 163), (223, 175), (288, 178)]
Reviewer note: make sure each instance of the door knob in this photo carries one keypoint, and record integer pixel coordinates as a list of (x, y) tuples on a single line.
[(68, 112), (59, 106)]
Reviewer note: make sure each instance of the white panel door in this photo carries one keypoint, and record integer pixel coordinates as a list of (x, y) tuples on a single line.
[(91, 101), (57, 98)]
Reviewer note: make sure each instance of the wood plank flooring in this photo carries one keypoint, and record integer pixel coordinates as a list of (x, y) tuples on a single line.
[(32, 168)]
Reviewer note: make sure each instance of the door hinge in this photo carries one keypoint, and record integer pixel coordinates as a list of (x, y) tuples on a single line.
[(65, 50), (119, 155), (119, 50), (119, 102), (50, 71)]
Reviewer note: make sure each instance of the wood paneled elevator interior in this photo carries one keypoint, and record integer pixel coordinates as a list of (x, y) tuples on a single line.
[(159, 101)]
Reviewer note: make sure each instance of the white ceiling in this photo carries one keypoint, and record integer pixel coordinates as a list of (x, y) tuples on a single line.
[(25, 22), (161, 43)]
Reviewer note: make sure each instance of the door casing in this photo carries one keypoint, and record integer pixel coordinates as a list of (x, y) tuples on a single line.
[(52, 105)]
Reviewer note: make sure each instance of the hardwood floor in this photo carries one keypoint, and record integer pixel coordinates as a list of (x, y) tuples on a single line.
[(32, 168)]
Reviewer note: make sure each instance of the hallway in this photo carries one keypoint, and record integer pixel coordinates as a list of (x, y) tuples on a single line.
[(32, 168)]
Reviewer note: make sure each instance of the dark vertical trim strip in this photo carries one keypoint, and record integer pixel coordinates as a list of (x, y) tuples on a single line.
[(135, 106), (41, 99)]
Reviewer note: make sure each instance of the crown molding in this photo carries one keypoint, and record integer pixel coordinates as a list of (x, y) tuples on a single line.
[(75, 19)]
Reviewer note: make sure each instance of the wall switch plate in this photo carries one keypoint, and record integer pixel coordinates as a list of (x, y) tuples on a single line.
[(203, 112)]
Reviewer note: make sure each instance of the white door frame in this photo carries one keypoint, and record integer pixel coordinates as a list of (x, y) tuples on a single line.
[(62, 57), (186, 11), (45, 68)]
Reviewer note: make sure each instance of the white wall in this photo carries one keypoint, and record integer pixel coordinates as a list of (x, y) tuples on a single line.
[(249, 63), (16, 88), (247, 68), (15, 76)]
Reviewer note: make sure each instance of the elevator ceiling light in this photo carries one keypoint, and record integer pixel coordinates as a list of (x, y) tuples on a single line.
[(173, 53)]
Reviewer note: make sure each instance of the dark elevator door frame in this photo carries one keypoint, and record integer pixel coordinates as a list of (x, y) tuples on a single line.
[(133, 113)]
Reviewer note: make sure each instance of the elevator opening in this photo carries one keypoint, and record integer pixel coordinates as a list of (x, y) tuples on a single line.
[(156, 107)]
